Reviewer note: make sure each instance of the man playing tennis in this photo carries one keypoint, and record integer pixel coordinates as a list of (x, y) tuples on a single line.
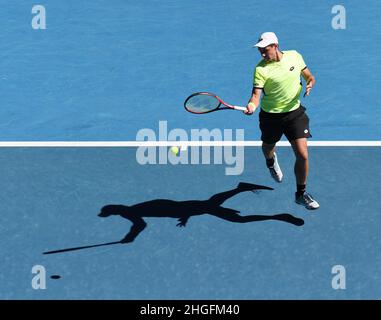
[(277, 76)]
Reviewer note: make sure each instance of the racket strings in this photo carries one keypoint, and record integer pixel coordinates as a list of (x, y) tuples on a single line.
[(202, 103)]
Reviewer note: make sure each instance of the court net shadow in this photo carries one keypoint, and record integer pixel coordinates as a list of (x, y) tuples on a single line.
[(184, 210)]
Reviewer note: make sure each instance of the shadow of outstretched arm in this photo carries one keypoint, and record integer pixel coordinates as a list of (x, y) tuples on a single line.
[(138, 225)]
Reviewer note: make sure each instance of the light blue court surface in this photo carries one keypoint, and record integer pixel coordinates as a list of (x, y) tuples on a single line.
[(53, 197), (103, 70)]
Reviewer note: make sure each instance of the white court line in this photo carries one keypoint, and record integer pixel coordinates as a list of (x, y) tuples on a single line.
[(182, 144)]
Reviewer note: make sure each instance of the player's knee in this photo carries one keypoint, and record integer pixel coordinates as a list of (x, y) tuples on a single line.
[(302, 156), (268, 146)]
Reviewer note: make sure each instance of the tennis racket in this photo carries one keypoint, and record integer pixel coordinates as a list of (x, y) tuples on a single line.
[(205, 102)]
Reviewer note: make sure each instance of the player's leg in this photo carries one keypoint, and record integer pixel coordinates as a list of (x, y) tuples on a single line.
[(271, 130), (297, 131), (301, 162), (301, 173), (272, 161), (268, 150)]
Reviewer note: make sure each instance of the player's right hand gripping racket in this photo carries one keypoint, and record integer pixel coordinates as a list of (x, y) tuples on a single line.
[(205, 102)]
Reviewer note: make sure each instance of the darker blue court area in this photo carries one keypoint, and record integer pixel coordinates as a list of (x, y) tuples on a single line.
[(53, 202)]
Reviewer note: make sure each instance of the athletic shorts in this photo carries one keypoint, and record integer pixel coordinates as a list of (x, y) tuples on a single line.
[(293, 124)]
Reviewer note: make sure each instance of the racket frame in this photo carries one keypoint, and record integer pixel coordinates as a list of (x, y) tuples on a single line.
[(221, 102)]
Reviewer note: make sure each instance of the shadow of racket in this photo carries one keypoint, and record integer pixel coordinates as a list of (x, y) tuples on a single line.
[(80, 248)]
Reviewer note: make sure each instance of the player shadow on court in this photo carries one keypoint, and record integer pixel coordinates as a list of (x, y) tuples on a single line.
[(183, 210)]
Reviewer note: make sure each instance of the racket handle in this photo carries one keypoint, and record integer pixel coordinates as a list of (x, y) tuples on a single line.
[(239, 108)]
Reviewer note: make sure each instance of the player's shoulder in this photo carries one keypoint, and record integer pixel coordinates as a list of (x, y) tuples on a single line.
[(292, 53), (261, 64)]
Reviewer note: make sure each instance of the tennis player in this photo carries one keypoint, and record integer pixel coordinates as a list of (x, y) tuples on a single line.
[(277, 79)]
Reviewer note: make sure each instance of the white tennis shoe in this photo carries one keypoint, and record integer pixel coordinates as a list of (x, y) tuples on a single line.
[(306, 200), (275, 170)]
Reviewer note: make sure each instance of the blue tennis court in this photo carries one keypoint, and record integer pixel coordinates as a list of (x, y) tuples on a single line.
[(105, 72), (53, 202)]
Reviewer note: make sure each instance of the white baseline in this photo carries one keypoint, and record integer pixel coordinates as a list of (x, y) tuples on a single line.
[(182, 144)]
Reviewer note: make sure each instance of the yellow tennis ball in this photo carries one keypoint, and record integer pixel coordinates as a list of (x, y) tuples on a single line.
[(175, 150)]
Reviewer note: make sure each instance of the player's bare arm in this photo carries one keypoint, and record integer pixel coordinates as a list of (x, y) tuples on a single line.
[(310, 80), (254, 101)]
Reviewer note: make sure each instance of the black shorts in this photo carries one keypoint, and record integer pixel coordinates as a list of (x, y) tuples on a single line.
[(293, 124)]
